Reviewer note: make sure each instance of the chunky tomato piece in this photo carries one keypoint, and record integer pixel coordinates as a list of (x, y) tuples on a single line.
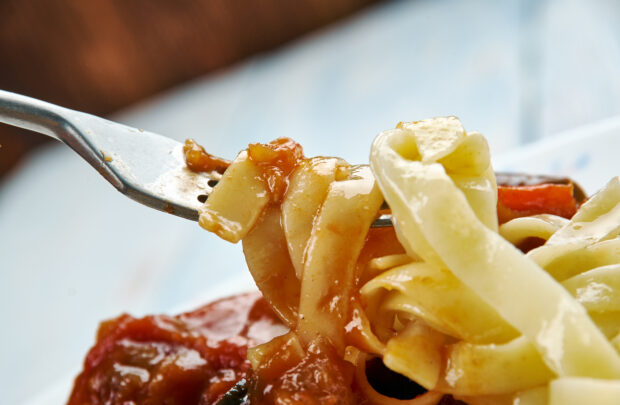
[(198, 160), (277, 159), (319, 377), (189, 359)]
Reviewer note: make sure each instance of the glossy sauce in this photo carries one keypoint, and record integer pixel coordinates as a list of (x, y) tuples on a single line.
[(189, 359), (198, 160), (319, 377), (277, 160)]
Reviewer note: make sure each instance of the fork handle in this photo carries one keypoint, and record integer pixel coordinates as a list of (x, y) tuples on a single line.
[(54, 121), (47, 119), (32, 114)]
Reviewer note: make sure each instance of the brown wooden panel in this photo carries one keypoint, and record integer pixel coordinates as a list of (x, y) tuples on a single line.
[(101, 55)]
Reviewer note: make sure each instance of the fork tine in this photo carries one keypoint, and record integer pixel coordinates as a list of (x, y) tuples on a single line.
[(146, 167)]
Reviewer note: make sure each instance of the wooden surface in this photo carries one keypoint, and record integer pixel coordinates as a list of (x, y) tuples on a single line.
[(101, 55)]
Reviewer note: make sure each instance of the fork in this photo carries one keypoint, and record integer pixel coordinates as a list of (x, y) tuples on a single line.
[(147, 167), (144, 166)]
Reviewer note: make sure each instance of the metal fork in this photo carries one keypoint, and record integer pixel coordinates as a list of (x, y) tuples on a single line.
[(144, 166), (150, 168)]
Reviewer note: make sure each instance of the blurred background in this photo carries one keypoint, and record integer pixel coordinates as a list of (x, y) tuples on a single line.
[(328, 74)]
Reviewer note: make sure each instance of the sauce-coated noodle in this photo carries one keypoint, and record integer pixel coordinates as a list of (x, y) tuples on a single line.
[(452, 304)]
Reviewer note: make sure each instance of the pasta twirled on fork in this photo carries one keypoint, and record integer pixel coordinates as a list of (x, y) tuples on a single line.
[(446, 298)]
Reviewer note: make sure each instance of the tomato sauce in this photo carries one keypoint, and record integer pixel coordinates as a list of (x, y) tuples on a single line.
[(319, 377), (198, 160), (277, 159), (189, 359)]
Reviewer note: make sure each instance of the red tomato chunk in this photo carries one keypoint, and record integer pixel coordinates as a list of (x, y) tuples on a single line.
[(520, 201), (188, 359)]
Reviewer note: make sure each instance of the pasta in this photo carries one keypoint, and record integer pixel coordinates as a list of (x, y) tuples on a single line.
[(448, 297)]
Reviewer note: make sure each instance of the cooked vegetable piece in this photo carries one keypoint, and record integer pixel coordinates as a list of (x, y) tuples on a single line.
[(556, 199), (187, 359)]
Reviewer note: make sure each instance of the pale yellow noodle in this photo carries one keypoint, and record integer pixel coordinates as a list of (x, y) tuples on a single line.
[(463, 311), (335, 242), (430, 209), (439, 298), (581, 391), (306, 192), (493, 369), (542, 226), (598, 290), (267, 256), (533, 396), (570, 262), (416, 352), (597, 220), (236, 201)]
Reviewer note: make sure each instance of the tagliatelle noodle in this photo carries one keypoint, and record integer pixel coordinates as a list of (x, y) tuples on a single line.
[(262, 355), (576, 261), (416, 352), (533, 396), (598, 290), (501, 367), (236, 202), (304, 197), (381, 252), (440, 299), (468, 167), (462, 311), (359, 332), (607, 322), (493, 369), (580, 391), (542, 226), (597, 220), (434, 219), (266, 253), (335, 242), (615, 341)]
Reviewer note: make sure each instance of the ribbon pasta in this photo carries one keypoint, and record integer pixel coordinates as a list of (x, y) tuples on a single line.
[(451, 304), (435, 218)]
